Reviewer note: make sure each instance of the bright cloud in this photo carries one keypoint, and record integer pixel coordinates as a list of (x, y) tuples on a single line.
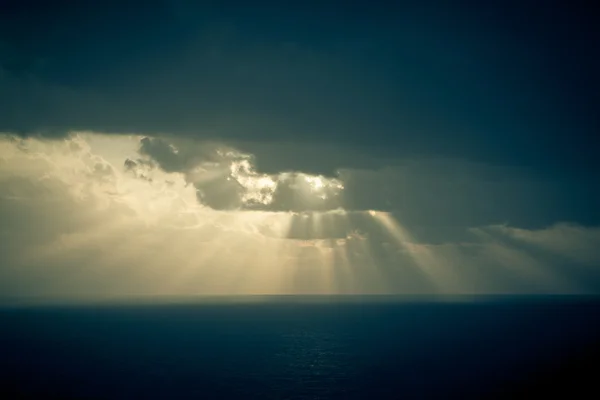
[(226, 178), (115, 216)]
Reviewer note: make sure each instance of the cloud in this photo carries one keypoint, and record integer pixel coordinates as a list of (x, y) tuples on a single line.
[(226, 179), (139, 168), (440, 192), (78, 222), (395, 85), (164, 154), (559, 254), (572, 241)]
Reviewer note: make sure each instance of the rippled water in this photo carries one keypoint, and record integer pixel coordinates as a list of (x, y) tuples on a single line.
[(291, 351)]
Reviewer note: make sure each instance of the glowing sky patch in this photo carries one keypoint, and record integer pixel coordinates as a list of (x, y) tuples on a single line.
[(107, 216), (226, 178)]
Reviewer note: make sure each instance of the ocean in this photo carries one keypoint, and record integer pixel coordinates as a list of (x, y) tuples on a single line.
[(301, 348)]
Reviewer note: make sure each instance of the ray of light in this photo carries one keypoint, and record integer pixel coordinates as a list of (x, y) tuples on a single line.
[(344, 278), (523, 266), (131, 264), (266, 270), (68, 242), (195, 273), (438, 271)]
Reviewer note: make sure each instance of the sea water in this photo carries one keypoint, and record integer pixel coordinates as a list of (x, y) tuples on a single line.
[(299, 348)]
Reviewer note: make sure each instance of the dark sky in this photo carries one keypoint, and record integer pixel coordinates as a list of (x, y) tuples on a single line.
[(511, 83)]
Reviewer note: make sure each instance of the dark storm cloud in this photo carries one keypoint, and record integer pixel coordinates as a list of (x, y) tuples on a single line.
[(226, 178), (511, 84), (163, 153), (435, 197), (447, 193)]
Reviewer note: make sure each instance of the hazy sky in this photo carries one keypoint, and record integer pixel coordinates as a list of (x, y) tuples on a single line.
[(297, 148)]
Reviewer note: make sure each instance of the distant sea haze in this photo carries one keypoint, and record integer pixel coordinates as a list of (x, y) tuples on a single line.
[(301, 347)]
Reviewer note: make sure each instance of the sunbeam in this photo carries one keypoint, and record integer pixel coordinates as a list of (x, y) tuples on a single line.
[(157, 219), (439, 272)]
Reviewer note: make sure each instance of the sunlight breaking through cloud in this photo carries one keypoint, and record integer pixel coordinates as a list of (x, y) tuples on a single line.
[(91, 215), (226, 178)]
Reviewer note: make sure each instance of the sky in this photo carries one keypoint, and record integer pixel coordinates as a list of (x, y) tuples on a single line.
[(226, 148)]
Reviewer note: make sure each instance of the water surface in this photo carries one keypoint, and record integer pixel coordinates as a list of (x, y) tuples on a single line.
[(300, 348)]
